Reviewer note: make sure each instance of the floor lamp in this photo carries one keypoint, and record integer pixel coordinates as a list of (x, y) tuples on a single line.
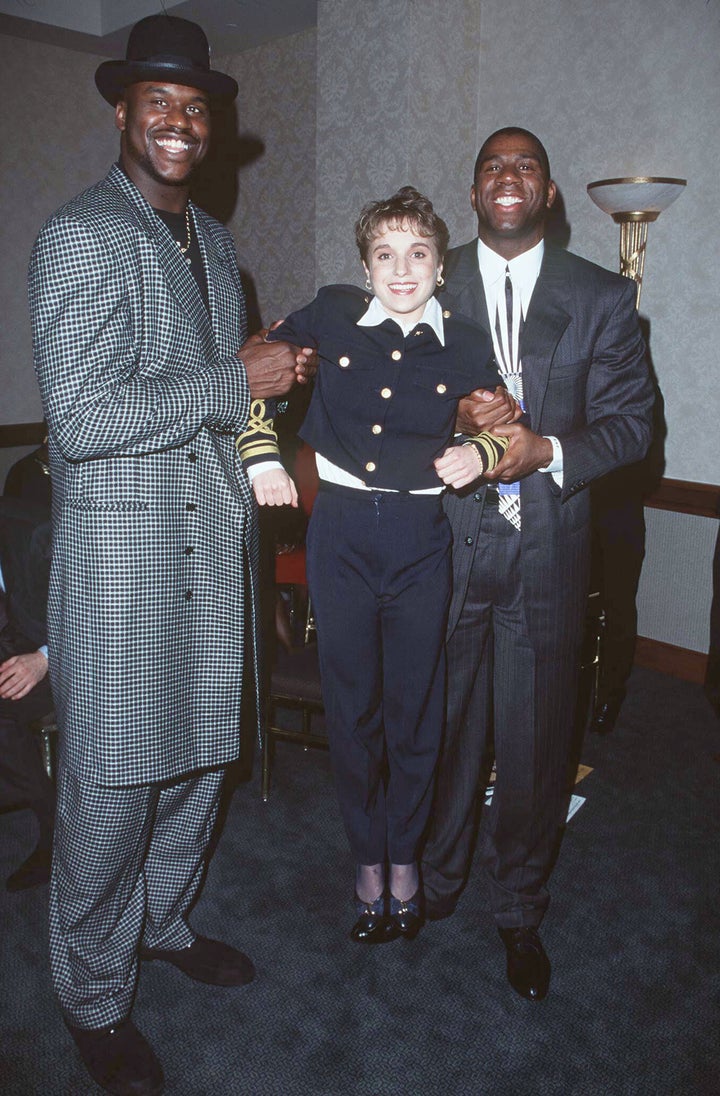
[(633, 203)]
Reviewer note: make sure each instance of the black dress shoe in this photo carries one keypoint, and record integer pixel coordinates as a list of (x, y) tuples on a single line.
[(407, 916), (373, 925), (528, 967), (33, 872), (119, 1059), (208, 961)]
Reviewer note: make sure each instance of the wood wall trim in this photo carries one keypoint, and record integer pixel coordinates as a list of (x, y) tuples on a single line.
[(14, 435), (686, 497), (680, 662)]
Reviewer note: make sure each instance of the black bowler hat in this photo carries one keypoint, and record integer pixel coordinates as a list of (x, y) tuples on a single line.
[(163, 47)]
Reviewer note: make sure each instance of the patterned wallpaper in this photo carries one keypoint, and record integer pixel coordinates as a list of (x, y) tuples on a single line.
[(274, 219), (58, 137), (397, 100)]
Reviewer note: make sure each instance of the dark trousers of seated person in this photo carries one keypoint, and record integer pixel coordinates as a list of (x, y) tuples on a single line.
[(23, 780), (379, 577)]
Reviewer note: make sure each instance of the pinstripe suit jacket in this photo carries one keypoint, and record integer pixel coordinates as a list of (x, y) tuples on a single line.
[(153, 517), (586, 381)]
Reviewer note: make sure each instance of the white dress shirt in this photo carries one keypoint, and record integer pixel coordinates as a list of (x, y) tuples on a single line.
[(524, 271)]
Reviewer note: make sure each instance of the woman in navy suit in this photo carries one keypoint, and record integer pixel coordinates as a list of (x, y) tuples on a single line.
[(381, 420)]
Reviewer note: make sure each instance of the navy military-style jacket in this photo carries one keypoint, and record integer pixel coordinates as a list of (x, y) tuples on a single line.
[(384, 404)]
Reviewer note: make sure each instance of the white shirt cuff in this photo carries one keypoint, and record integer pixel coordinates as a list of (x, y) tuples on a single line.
[(555, 467), (262, 466)]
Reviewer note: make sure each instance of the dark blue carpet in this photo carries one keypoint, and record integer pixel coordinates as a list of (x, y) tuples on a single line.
[(634, 1006)]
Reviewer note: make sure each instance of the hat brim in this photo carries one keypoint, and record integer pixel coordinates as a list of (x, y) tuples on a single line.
[(112, 77)]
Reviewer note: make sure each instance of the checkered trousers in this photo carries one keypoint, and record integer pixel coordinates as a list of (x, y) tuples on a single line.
[(133, 883), (154, 543)]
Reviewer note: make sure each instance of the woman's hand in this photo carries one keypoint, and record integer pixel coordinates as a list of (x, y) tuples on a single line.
[(459, 465), (275, 488)]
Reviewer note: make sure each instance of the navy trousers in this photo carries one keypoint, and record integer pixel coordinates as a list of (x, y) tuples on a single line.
[(380, 577)]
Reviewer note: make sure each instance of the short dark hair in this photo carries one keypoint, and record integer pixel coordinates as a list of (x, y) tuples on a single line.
[(406, 207), (515, 131)]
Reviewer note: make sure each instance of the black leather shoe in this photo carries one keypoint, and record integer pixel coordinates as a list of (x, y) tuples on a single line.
[(33, 872), (120, 1059), (606, 714), (373, 925), (528, 967), (208, 961), (407, 916)]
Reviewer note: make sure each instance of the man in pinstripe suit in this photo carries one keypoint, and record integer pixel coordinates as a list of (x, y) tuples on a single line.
[(146, 378), (567, 335)]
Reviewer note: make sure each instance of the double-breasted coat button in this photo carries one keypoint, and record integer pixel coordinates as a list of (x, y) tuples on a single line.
[(441, 389), (396, 355), (447, 314), (189, 550), (370, 466), (377, 428), (188, 595), (192, 457), (386, 393), (344, 362), (190, 506)]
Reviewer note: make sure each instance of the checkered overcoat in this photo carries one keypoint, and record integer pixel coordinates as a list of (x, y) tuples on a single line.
[(152, 598)]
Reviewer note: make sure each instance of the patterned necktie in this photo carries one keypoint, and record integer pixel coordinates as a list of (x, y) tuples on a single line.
[(509, 493)]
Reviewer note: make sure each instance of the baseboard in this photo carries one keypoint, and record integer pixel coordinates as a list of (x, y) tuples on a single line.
[(668, 659)]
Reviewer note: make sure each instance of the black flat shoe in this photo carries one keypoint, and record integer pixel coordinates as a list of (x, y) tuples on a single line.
[(407, 916), (119, 1059), (528, 967), (373, 926)]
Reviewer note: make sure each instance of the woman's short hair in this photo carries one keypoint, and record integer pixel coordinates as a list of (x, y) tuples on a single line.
[(408, 207)]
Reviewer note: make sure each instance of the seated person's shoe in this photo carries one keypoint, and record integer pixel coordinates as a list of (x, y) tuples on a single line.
[(407, 916), (373, 926), (208, 961), (33, 872), (606, 713), (119, 1059), (528, 967)]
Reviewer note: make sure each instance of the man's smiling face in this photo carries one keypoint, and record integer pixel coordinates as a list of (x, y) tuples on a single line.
[(511, 194), (165, 135)]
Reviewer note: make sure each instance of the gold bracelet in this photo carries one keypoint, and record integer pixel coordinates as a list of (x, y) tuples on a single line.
[(477, 453)]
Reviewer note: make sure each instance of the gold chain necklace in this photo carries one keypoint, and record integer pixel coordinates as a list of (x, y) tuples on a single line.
[(183, 250)]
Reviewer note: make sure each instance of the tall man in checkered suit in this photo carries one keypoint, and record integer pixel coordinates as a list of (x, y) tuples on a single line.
[(139, 339)]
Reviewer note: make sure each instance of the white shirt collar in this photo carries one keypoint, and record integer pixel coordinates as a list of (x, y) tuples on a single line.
[(432, 316), (524, 271)]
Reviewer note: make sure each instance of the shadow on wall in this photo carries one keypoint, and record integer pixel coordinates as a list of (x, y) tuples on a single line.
[(557, 229), (216, 184)]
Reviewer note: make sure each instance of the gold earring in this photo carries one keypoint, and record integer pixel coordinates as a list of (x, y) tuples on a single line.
[(440, 280), (368, 283)]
